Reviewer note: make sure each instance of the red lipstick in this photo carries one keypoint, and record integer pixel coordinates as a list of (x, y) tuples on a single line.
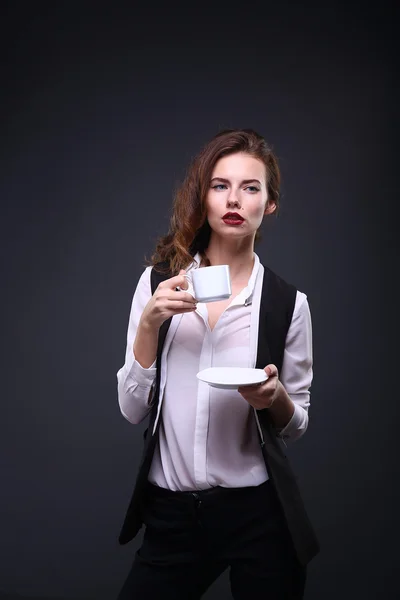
[(232, 218)]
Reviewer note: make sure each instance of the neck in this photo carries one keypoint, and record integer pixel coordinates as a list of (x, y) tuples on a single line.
[(239, 257)]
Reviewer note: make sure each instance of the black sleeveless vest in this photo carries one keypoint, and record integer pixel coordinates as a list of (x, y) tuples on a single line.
[(276, 311)]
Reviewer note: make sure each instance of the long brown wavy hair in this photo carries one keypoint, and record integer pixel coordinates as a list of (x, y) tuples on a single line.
[(189, 231)]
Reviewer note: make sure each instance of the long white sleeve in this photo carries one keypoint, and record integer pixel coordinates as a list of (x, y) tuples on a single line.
[(134, 382), (297, 373)]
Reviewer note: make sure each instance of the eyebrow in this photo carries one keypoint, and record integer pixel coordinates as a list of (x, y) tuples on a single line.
[(227, 180)]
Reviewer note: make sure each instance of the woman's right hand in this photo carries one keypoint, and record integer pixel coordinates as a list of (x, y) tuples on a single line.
[(167, 302)]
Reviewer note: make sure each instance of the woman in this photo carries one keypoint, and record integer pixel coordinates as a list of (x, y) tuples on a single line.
[(214, 489)]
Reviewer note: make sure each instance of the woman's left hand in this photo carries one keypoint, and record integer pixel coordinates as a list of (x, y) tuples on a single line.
[(262, 395)]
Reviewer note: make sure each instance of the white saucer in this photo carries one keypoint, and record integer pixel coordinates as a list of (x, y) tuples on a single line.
[(230, 378)]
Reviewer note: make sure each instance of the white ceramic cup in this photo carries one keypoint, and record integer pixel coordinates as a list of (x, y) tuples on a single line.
[(210, 284)]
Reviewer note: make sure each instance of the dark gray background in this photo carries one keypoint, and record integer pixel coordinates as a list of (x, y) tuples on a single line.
[(102, 108)]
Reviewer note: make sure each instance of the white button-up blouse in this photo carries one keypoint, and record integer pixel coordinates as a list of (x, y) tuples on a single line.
[(209, 436)]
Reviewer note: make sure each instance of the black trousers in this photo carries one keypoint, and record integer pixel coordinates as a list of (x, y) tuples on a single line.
[(191, 538)]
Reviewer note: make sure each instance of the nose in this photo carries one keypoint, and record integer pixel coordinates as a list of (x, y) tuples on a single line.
[(233, 199)]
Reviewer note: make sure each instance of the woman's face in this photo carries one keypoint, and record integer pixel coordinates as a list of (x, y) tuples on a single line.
[(237, 198)]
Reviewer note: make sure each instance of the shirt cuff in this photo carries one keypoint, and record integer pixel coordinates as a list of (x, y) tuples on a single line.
[(297, 422), (143, 377)]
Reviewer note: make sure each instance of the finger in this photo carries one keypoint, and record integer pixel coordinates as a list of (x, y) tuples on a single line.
[(181, 311), (254, 387), (176, 281), (185, 296), (180, 304), (271, 370), (243, 390), (185, 284)]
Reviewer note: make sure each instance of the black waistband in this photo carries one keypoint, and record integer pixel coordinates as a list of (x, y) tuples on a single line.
[(208, 492)]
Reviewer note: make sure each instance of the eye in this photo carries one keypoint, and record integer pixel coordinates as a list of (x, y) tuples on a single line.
[(252, 188), (219, 186)]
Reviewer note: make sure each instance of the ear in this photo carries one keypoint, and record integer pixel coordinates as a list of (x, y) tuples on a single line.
[(270, 208)]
